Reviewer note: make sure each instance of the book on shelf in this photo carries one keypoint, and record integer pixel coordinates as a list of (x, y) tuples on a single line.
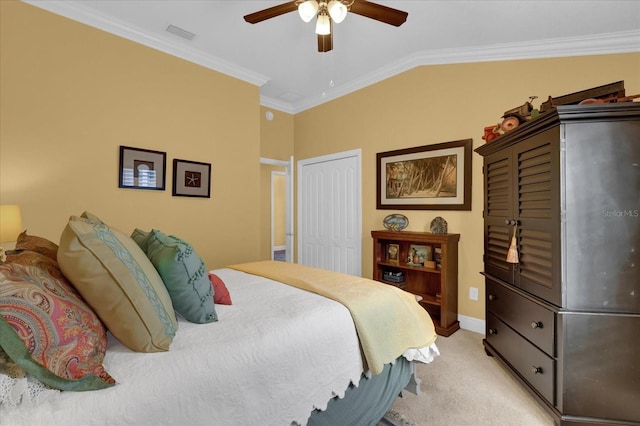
[(396, 277)]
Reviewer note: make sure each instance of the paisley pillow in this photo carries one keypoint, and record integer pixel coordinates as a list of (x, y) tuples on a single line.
[(49, 331), (37, 244), (39, 260)]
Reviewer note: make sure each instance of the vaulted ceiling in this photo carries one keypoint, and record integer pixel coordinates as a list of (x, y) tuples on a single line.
[(280, 54)]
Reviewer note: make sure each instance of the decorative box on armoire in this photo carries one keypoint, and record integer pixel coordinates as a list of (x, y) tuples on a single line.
[(565, 319)]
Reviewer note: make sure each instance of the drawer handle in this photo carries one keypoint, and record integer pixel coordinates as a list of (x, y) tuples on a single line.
[(493, 297), (536, 370), (493, 331), (536, 324)]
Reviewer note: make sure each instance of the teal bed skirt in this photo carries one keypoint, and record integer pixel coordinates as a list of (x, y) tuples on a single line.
[(367, 403)]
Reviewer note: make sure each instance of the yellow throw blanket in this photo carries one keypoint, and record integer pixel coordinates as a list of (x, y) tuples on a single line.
[(388, 320)]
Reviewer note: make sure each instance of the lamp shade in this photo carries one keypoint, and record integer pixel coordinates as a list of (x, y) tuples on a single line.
[(337, 11), (308, 10), (10, 223)]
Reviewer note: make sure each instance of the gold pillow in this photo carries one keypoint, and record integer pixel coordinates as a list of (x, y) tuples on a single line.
[(119, 282)]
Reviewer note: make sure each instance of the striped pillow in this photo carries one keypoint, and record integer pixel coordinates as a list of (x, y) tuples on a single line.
[(119, 282)]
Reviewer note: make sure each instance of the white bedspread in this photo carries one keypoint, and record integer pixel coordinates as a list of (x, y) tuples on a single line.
[(274, 355)]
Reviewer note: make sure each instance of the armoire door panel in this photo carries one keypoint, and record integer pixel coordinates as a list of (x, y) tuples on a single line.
[(498, 210), (538, 215)]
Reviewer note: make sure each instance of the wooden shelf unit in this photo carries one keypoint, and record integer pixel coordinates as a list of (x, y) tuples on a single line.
[(437, 286)]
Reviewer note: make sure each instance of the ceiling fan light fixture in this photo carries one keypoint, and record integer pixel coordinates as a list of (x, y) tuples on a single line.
[(323, 26), (307, 10), (337, 10)]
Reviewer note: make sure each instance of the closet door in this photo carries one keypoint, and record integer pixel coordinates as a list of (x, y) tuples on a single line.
[(329, 212)]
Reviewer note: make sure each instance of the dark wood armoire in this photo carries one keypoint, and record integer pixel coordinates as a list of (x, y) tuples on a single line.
[(565, 319)]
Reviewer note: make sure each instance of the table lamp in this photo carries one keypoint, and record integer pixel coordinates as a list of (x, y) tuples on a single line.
[(10, 226)]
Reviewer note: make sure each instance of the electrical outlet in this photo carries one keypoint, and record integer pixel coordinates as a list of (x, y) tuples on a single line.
[(473, 293)]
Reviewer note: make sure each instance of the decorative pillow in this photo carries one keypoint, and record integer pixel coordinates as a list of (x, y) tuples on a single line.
[(49, 331), (118, 281), (183, 273), (37, 244), (221, 294), (32, 258), (92, 218)]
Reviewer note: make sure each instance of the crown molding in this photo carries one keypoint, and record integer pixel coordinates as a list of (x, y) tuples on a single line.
[(601, 44), (79, 13), (277, 104)]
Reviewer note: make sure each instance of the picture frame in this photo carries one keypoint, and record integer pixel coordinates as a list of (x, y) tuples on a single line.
[(418, 254), (142, 168), (191, 179), (430, 177), (393, 253)]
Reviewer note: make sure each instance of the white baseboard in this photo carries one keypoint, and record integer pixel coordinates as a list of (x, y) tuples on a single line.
[(472, 324)]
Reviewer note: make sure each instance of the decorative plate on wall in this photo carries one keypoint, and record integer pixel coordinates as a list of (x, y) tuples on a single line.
[(395, 222), (438, 226)]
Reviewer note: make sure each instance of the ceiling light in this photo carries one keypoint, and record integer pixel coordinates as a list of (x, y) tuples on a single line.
[(323, 26), (337, 10), (308, 10)]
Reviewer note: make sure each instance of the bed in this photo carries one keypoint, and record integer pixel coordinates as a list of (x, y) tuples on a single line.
[(277, 352)]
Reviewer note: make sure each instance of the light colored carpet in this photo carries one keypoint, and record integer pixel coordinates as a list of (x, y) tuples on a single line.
[(465, 386), (393, 418)]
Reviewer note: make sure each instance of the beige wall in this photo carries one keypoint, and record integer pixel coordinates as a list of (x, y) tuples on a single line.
[(433, 104), (71, 95)]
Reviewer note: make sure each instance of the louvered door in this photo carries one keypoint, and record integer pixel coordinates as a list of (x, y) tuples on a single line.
[(537, 208), (521, 196), (498, 209)]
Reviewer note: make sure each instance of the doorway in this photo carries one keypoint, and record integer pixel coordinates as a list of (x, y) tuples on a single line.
[(281, 209)]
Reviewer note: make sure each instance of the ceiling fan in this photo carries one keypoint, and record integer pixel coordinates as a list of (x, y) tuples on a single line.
[(327, 12)]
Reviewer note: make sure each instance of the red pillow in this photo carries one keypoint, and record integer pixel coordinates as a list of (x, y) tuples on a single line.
[(221, 295)]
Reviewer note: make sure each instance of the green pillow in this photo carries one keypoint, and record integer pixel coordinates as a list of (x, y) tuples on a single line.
[(183, 273)]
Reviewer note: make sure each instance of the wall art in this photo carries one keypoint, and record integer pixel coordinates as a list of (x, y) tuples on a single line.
[(431, 177), (191, 179), (142, 168)]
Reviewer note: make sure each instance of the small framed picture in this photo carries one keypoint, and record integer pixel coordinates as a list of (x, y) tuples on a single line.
[(142, 168), (418, 254), (393, 253), (191, 179)]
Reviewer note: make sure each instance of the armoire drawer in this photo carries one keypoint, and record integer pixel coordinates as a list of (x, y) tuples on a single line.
[(532, 364), (528, 318)]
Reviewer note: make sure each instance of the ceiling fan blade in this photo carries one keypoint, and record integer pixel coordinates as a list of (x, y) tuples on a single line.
[(379, 12), (325, 42), (272, 12)]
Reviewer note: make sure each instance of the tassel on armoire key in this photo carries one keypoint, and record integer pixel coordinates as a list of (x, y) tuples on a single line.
[(512, 254)]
